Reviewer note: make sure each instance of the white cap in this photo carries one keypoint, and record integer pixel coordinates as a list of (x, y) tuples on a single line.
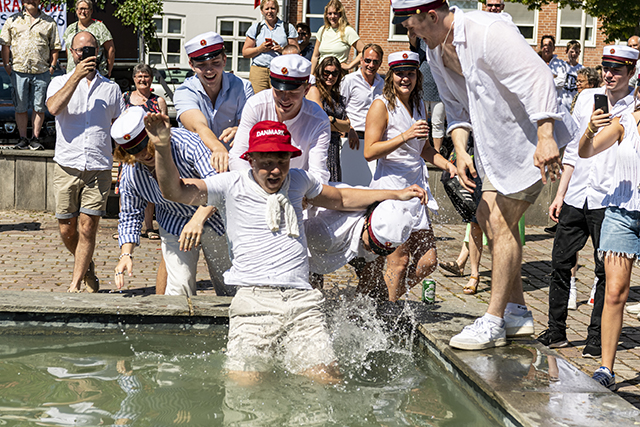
[(288, 72), (403, 9), (616, 56), (128, 130), (403, 60), (392, 221), (204, 46)]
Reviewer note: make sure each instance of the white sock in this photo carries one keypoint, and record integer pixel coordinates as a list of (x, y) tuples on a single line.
[(498, 321), (573, 283), (516, 309)]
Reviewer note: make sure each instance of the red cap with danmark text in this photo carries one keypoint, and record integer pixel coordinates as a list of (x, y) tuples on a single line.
[(270, 137)]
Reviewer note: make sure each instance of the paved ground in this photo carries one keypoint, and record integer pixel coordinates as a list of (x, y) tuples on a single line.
[(32, 258)]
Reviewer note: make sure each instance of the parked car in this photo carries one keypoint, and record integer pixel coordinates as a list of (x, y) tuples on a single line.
[(165, 83), (8, 130)]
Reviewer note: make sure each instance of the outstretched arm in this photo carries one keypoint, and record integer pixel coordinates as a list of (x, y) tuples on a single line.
[(354, 199), (187, 191)]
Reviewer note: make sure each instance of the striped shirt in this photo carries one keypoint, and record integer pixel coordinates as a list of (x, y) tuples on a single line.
[(138, 187)]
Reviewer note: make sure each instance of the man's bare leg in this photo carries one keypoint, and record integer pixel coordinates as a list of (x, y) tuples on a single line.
[(475, 254), (79, 237), (38, 121), (498, 217), (323, 374)]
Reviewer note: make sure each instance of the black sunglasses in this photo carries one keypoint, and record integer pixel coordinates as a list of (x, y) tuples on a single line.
[(328, 73), (369, 61)]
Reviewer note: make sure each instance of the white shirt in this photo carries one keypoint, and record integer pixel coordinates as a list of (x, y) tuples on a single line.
[(310, 131), (259, 256), (592, 177), (559, 69), (358, 97), (83, 139), (334, 239), (505, 91), (625, 190)]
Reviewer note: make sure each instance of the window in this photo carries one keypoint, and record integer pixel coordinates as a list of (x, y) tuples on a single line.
[(233, 32), (526, 20), (168, 45), (313, 14), (570, 24), (397, 32)]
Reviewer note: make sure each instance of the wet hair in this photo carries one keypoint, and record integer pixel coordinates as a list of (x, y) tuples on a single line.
[(142, 68), (330, 95), (342, 21), (264, 2), (594, 78), (547, 36), (573, 44), (121, 155), (389, 91)]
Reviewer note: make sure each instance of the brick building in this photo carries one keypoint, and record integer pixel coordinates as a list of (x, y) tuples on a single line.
[(373, 23)]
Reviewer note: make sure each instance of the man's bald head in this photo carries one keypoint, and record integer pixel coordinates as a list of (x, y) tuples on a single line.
[(84, 38), (634, 42)]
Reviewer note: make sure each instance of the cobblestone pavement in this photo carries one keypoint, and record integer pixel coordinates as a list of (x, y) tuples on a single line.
[(33, 258)]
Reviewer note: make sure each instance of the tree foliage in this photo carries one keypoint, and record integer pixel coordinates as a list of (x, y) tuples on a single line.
[(137, 13), (619, 18)]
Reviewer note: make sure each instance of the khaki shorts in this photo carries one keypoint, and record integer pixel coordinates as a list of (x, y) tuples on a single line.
[(260, 78), (529, 194), (80, 191), (269, 325)]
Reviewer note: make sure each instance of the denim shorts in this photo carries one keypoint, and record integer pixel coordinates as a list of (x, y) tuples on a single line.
[(29, 91), (620, 233)]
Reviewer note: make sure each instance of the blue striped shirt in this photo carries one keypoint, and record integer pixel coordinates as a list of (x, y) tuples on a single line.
[(138, 187)]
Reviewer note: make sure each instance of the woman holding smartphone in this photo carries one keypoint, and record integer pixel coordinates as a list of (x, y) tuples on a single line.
[(396, 135), (620, 232), (265, 40)]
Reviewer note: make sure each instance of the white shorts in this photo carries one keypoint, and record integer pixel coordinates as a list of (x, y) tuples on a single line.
[(277, 324), (182, 266)]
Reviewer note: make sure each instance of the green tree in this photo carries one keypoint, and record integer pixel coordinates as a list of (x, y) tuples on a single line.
[(619, 18), (137, 13)]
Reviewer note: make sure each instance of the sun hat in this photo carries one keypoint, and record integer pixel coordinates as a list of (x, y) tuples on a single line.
[(270, 137)]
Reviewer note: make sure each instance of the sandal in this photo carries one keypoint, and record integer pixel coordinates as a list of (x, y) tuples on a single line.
[(115, 236), (471, 289), (452, 267), (151, 235)]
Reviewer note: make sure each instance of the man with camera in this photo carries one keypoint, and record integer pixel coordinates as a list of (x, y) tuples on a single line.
[(31, 37), (85, 104), (579, 203)]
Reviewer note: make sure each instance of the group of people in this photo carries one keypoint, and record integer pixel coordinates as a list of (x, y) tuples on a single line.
[(252, 175)]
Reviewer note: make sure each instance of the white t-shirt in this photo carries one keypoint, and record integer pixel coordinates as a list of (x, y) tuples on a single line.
[(334, 239), (310, 131), (331, 44), (259, 256)]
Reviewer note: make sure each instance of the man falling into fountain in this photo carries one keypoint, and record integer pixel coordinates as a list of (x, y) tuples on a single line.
[(275, 306)]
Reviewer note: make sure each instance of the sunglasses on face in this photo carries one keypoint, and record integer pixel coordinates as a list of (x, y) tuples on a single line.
[(497, 6), (369, 61), (328, 73)]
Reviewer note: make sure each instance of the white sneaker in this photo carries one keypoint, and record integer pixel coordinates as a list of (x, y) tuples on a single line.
[(592, 296), (633, 309), (482, 334), (518, 326), (573, 299)]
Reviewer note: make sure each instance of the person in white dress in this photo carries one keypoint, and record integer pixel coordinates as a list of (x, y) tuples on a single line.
[(396, 135)]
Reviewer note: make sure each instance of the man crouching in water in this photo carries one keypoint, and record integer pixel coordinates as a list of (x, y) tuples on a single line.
[(263, 211)]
